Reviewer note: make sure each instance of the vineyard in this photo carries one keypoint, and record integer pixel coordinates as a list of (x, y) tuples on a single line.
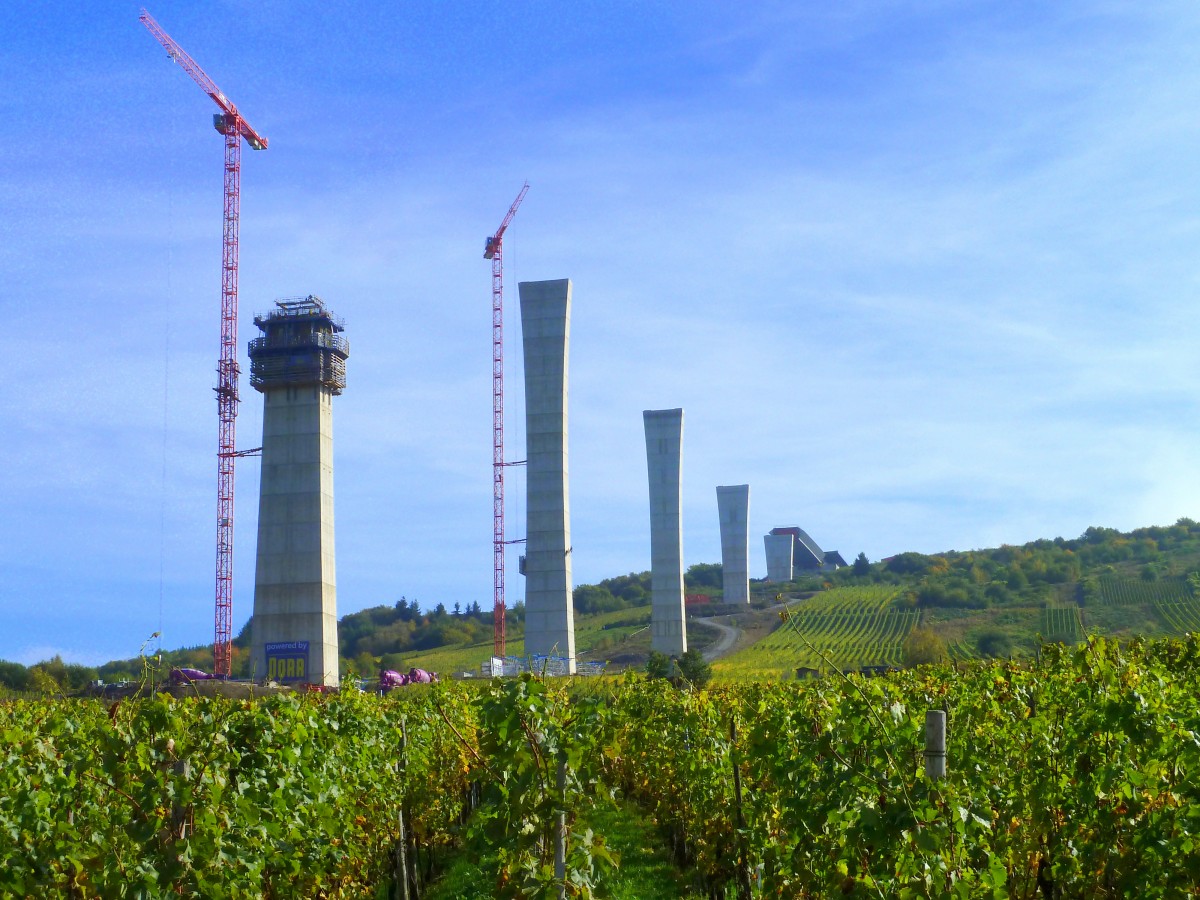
[(1112, 591), (224, 798), (1062, 623), (1107, 754), (861, 598), (1180, 618), (843, 628), (1165, 607), (799, 790)]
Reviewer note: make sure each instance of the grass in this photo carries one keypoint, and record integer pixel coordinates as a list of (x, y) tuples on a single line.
[(646, 869), (590, 633), (962, 629), (645, 872), (1124, 621)]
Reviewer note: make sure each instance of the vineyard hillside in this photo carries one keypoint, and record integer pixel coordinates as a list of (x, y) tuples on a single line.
[(1006, 601), (844, 627), (998, 602)]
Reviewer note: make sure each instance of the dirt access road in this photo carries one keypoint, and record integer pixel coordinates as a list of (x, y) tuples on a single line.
[(729, 634), (724, 643)]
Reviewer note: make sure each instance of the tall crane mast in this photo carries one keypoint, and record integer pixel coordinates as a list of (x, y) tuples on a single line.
[(234, 128), (493, 249)]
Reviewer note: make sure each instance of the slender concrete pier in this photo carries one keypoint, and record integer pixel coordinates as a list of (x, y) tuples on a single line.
[(545, 333), (779, 556), (733, 509), (664, 443), (298, 364)]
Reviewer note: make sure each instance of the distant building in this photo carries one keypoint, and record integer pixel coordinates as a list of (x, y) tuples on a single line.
[(833, 560), (807, 557)]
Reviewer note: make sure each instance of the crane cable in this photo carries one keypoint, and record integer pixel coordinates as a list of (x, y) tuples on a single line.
[(519, 494)]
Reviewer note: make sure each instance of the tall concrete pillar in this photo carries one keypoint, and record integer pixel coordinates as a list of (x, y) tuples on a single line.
[(733, 509), (779, 556), (545, 333), (298, 364), (664, 444)]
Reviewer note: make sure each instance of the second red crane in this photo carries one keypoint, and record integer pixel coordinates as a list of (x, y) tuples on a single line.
[(494, 250)]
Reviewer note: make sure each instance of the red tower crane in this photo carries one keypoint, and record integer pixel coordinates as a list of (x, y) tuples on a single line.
[(493, 249), (228, 122)]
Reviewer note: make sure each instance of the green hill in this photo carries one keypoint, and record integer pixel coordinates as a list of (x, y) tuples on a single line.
[(1001, 601)]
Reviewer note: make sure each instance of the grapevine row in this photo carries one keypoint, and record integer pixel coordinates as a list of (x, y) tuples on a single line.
[(1181, 618), (1062, 622), (817, 638), (286, 796), (1072, 777), (1115, 591), (854, 598), (1076, 777)]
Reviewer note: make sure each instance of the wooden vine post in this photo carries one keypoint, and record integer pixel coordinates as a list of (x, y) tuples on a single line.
[(560, 832), (743, 864), (935, 744), (401, 875)]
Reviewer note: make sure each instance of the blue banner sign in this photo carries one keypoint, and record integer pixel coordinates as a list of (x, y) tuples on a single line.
[(287, 661)]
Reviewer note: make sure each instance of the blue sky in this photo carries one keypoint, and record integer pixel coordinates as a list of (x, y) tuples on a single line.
[(922, 273)]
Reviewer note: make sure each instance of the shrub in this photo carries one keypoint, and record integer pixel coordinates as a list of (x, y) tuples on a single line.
[(690, 668), (924, 646), (994, 643), (658, 665), (694, 667)]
